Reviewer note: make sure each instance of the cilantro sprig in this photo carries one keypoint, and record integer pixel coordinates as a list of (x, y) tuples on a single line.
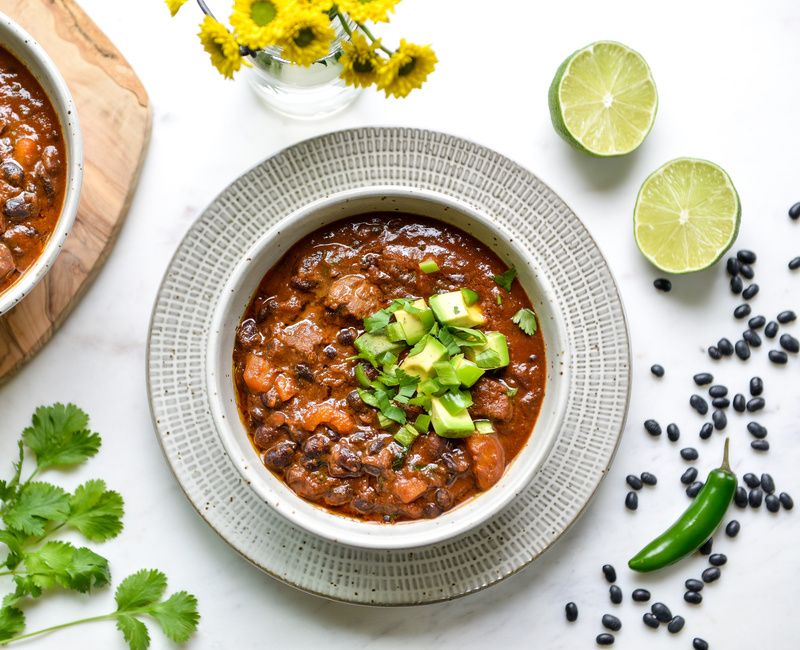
[(506, 278), (526, 319), (33, 512)]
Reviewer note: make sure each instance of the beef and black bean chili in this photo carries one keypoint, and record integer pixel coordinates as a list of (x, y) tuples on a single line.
[(413, 416), (32, 169)]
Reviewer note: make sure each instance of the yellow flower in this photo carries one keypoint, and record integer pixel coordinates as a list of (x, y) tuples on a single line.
[(363, 10), (308, 36), (174, 5), (259, 23), (406, 69), (360, 61), (319, 5), (221, 47)]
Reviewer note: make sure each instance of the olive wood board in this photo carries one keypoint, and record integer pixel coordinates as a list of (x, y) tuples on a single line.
[(115, 118)]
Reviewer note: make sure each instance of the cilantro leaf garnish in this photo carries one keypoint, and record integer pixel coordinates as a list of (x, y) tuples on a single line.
[(37, 505), (95, 511), (526, 319), (12, 622), (506, 278), (58, 435)]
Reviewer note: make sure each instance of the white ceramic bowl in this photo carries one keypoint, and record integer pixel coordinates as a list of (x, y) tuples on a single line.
[(237, 294), (17, 41)]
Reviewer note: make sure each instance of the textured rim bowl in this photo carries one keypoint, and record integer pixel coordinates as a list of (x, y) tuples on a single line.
[(17, 41), (236, 295)]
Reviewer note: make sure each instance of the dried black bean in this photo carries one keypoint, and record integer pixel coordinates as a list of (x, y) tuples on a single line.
[(720, 420), (746, 271), (746, 256), (688, 477), (648, 478), (661, 612), (699, 644), (752, 338), (673, 432), (733, 528), (714, 353), (703, 378), (693, 597), (571, 610), (794, 211), (755, 498), (650, 620), (631, 501), (634, 481), (751, 480), (767, 483), (718, 390), (760, 445), (718, 559), (652, 427), (737, 285), (615, 594), (755, 404), (676, 624), (756, 386), (756, 322), (611, 622), (711, 574), (725, 347), (662, 284), (750, 291), (610, 573), (698, 404), (772, 503), (771, 329), (756, 430), (720, 402), (742, 350), (732, 266), (657, 370), (794, 264), (740, 497), (786, 500), (706, 430), (705, 549), (694, 489), (604, 639), (693, 584), (689, 453), (778, 356), (742, 311), (640, 595), (786, 316), (790, 343)]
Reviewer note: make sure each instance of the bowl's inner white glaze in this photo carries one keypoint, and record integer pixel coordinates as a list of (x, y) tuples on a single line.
[(239, 291)]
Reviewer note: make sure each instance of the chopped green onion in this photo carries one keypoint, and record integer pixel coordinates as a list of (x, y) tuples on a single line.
[(406, 435), (466, 336), (506, 279), (395, 332), (499, 299), (484, 426), (446, 373), (448, 340), (423, 401), (429, 387), (470, 296), (422, 423), (361, 376), (455, 402), (383, 421), (526, 320), (512, 391), (428, 266)]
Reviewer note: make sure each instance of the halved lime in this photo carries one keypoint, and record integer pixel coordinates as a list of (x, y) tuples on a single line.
[(603, 99), (686, 216)]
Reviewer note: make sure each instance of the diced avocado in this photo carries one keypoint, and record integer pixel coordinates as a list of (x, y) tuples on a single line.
[(421, 364), (468, 373), (484, 426), (417, 325), (373, 345), (495, 342), (452, 309), (449, 425)]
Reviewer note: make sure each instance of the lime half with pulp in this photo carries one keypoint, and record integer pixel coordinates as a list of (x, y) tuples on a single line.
[(686, 216), (603, 99)]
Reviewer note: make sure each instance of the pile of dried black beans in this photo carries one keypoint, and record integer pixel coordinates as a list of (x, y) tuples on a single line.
[(756, 489)]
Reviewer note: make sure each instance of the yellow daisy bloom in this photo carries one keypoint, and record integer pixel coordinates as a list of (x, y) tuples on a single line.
[(362, 10), (308, 36), (174, 5), (319, 5), (360, 61), (259, 23), (406, 69), (221, 47)]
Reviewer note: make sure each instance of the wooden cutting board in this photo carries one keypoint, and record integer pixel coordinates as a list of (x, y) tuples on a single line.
[(115, 118)]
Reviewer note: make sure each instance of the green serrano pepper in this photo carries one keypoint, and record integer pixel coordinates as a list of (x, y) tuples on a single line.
[(694, 526)]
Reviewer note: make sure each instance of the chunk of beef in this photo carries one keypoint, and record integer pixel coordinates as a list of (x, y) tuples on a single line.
[(303, 337), (7, 264), (353, 295), (490, 400)]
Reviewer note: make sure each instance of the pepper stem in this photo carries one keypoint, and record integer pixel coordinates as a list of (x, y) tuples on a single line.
[(725, 462)]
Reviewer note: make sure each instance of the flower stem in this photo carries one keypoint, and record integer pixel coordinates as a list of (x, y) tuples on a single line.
[(369, 34), (93, 619), (204, 8)]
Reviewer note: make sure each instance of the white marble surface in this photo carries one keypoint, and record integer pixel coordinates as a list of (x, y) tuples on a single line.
[(727, 77)]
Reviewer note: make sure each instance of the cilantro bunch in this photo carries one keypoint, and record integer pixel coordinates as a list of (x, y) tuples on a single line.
[(33, 512)]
